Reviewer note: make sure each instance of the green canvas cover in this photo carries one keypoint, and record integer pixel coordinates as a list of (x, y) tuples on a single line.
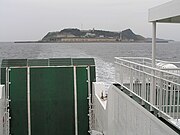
[(52, 101)]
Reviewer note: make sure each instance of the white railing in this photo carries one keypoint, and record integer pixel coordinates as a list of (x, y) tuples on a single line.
[(2, 111), (160, 86)]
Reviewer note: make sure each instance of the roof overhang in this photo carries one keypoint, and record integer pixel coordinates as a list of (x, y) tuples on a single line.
[(166, 13)]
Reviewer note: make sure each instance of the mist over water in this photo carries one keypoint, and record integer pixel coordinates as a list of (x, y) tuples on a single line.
[(103, 53)]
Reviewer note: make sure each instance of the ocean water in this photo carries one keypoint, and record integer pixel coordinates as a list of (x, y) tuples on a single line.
[(103, 53)]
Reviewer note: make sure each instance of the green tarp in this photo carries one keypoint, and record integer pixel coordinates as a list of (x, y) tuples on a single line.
[(52, 104)]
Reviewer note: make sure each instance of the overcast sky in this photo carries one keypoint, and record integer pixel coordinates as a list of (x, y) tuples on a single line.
[(32, 19)]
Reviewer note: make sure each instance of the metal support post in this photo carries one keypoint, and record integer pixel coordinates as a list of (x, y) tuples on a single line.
[(154, 45), (153, 83), (28, 101), (75, 101)]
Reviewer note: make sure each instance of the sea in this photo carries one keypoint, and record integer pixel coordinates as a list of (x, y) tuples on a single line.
[(103, 53)]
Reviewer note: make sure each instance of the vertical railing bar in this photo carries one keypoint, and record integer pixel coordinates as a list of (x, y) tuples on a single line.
[(152, 89), (143, 86), (138, 80), (177, 111), (163, 94), (158, 96), (146, 85), (7, 83), (149, 87), (121, 73), (133, 77), (7, 117), (28, 101), (8, 100), (167, 95), (139, 83), (171, 94), (155, 89), (89, 98), (137, 86), (164, 90), (75, 102), (174, 104), (158, 92), (131, 80)]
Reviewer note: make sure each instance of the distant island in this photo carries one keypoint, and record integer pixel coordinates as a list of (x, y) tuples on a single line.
[(72, 35)]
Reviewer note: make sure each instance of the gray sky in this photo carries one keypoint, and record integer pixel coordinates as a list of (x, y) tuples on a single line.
[(32, 19)]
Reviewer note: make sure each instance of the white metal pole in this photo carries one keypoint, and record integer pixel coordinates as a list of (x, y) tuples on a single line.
[(28, 101), (154, 44), (153, 83), (75, 102)]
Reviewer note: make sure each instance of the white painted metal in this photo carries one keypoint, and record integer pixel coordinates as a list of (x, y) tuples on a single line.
[(7, 114), (127, 117), (177, 111), (152, 92), (2, 110), (99, 108), (154, 45), (167, 13), (75, 102), (123, 116), (96, 133), (166, 83), (28, 101), (89, 100)]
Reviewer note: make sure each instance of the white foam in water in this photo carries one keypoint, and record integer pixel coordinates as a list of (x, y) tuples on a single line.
[(105, 72)]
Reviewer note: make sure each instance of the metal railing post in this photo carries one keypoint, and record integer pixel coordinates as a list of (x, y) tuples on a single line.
[(161, 92), (177, 111), (152, 90), (131, 80)]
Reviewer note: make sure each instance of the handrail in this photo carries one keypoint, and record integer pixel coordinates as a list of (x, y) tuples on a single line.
[(156, 69), (152, 75), (158, 87)]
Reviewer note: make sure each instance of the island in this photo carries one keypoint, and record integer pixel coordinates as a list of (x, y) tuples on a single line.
[(74, 35)]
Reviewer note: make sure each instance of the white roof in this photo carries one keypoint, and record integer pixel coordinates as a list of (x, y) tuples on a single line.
[(167, 13)]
